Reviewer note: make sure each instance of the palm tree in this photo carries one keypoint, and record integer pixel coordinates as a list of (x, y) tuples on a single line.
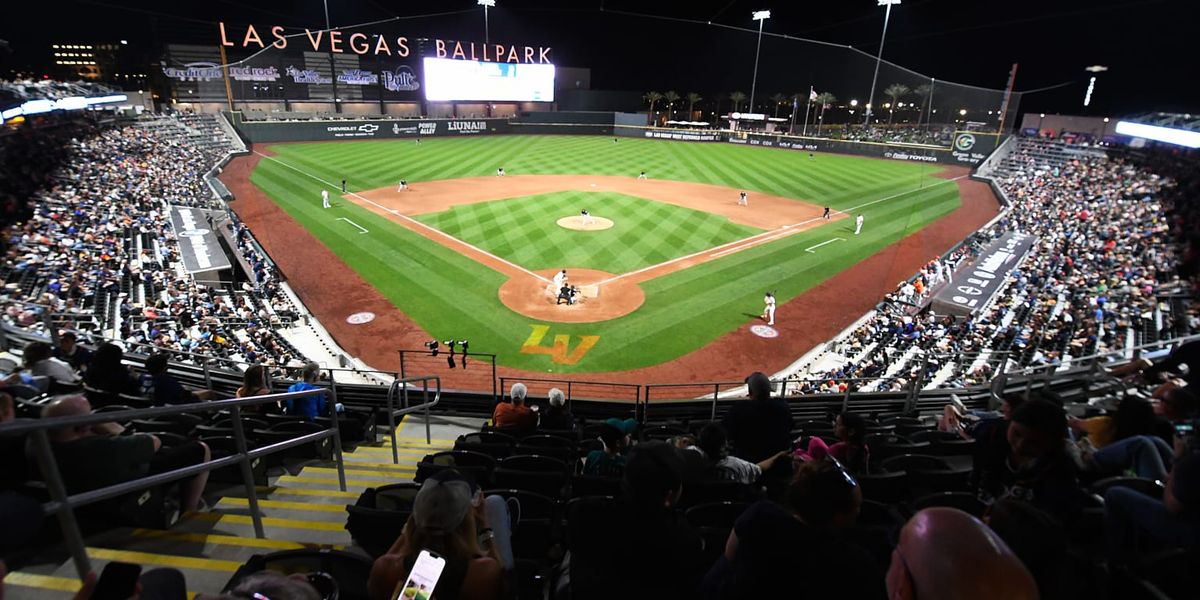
[(923, 91), (778, 99), (692, 98), (738, 98), (824, 99), (671, 97), (896, 91), (653, 98)]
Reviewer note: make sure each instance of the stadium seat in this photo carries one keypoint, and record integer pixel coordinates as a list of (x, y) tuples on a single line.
[(662, 432), (284, 431), (547, 445), (222, 446), (1151, 488), (1173, 571), (535, 531), (349, 570), (533, 462), (591, 485), (905, 462), (704, 492), (377, 518), (721, 515), (496, 451), (488, 437), (881, 452), (890, 487)]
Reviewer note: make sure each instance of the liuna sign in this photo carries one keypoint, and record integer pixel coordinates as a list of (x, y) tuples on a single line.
[(337, 41)]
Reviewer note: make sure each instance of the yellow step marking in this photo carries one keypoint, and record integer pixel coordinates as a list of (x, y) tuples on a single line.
[(283, 505), (267, 521), (380, 471), (381, 465), (228, 540), (291, 491), (165, 560), (350, 483), (371, 452)]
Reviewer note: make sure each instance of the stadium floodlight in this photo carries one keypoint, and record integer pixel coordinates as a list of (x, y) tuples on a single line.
[(761, 16), (486, 4), (879, 58), (854, 103)]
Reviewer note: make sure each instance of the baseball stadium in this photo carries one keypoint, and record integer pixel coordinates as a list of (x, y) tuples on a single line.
[(510, 299)]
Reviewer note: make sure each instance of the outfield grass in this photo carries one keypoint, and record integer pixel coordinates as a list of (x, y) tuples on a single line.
[(525, 230), (682, 312)]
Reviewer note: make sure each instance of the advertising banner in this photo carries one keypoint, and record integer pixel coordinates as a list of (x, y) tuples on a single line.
[(683, 135), (973, 286), (197, 243), (969, 148), (302, 131)]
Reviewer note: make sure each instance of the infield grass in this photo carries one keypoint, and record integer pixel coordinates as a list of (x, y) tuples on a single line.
[(450, 295)]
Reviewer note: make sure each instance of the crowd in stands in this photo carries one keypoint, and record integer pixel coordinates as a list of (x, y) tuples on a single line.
[(1114, 239)]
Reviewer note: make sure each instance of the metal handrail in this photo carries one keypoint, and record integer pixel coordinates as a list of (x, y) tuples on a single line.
[(64, 505), (402, 385), (637, 387), (1088, 359)]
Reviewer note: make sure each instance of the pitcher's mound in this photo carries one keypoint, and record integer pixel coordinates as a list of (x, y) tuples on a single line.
[(576, 223)]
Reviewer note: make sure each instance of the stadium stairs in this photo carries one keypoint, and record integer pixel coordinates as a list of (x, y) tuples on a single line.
[(302, 508)]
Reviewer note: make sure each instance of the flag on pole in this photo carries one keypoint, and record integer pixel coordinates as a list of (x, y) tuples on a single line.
[(812, 94)]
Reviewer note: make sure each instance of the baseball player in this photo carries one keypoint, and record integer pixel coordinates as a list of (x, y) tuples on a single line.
[(500, 172), (560, 278), (769, 309), (403, 185), (324, 198), (810, 156), (587, 217), (642, 175), (826, 215), (743, 199), (858, 221), (343, 186)]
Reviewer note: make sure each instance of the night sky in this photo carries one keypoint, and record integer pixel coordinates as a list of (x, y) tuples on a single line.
[(1147, 44)]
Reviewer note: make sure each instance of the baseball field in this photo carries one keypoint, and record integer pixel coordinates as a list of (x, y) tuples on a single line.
[(464, 253)]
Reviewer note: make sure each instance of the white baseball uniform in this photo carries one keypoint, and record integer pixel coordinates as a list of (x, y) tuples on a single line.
[(743, 199), (559, 277), (587, 217), (403, 184), (769, 309), (642, 175), (324, 198), (858, 221)]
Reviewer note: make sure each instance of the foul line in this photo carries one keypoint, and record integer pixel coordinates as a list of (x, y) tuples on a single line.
[(409, 219), (769, 236), (810, 248), (362, 229)]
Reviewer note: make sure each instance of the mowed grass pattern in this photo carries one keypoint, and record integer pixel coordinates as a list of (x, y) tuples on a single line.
[(526, 231), (682, 312)]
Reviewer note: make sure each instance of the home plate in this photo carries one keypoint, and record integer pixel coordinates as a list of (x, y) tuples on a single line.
[(764, 331), (593, 185)]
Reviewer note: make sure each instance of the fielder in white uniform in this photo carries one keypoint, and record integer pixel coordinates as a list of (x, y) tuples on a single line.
[(858, 221), (642, 175), (769, 309), (500, 172), (403, 186), (324, 198), (587, 217), (743, 199)]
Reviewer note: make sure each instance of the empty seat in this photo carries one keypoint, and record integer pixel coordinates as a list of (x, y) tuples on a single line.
[(546, 483), (533, 462), (377, 518), (888, 487), (592, 485), (715, 514)]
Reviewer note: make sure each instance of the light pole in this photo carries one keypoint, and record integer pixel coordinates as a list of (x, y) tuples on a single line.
[(878, 59), (486, 4), (760, 16), (1094, 70)]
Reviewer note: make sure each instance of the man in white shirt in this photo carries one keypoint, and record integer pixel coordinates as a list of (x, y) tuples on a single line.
[(713, 445), (858, 221)]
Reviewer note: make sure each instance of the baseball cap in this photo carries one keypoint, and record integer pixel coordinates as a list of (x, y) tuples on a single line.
[(443, 501), (627, 427)]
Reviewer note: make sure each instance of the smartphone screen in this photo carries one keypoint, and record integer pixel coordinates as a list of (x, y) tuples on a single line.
[(117, 581), (423, 578)]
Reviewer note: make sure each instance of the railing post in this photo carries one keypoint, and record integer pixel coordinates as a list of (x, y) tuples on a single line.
[(331, 401), (646, 403), (402, 374), (568, 393), (495, 396), (712, 416), (66, 514), (391, 415), (50, 328), (239, 439), (1093, 369), (846, 396), (207, 375), (425, 399)]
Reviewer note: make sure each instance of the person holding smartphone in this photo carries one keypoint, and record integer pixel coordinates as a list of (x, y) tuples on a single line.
[(453, 522)]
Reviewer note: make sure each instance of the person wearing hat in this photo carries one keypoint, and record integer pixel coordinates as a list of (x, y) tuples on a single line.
[(615, 434), (452, 519), (1131, 516), (558, 417)]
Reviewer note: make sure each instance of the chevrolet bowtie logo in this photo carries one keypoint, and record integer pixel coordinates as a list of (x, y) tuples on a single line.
[(368, 128)]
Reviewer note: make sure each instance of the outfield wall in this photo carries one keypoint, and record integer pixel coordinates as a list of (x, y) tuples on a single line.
[(968, 148)]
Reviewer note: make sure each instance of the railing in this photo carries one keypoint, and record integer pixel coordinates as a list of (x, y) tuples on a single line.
[(402, 384), (64, 505), (576, 390)]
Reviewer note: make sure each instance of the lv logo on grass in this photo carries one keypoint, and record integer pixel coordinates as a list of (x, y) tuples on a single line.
[(558, 351)]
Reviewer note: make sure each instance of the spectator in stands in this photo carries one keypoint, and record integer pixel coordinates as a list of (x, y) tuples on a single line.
[(1038, 539), (71, 352), (272, 585), (558, 417), (609, 461), (712, 445), (851, 449), (452, 519), (1038, 468), (1169, 367), (39, 360), (1131, 517), (639, 546), (255, 382), (14, 469), (108, 373), (96, 456), (946, 553), (762, 426), (309, 407), (991, 449), (166, 389), (515, 414), (1134, 416), (775, 551)]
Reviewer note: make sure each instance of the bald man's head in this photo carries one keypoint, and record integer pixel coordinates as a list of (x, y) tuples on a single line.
[(67, 406), (944, 553)]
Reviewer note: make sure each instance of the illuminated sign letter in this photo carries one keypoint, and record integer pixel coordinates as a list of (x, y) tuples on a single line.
[(364, 48), (335, 40), (280, 41), (542, 58), (441, 48), (513, 57), (458, 52), (224, 41), (528, 54), (402, 46), (316, 44), (251, 36), (381, 46)]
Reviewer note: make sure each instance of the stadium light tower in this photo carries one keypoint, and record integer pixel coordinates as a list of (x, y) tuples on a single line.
[(761, 16), (1094, 70), (878, 59), (486, 4)]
